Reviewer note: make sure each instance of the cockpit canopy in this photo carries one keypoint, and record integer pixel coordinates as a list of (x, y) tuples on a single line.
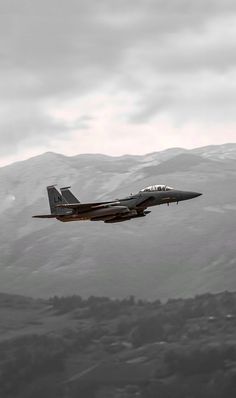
[(154, 188)]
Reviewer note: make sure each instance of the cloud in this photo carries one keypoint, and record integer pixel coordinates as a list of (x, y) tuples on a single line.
[(173, 60), (29, 126), (72, 47), (201, 97)]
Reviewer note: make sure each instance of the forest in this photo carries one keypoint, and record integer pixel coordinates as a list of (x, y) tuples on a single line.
[(121, 348)]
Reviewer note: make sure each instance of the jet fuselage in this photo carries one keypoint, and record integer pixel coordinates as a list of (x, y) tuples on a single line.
[(66, 207)]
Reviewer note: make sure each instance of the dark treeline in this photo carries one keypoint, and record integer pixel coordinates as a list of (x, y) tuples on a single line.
[(202, 305), (93, 306), (189, 344)]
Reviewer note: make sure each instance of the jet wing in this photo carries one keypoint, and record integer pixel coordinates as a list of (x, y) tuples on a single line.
[(86, 206)]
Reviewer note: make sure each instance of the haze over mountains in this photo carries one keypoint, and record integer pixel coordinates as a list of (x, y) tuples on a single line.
[(175, 251)]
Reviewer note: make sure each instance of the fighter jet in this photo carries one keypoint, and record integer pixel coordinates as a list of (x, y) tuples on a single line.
[(66, 207)]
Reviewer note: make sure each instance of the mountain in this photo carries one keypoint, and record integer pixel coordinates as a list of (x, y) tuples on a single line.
[(175, 251)]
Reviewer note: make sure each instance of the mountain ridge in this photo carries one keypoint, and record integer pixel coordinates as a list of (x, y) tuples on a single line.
[(120, 157), (175, 251)]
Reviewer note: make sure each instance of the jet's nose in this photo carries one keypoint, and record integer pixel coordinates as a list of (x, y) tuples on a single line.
[(191, 195), (196, 194)]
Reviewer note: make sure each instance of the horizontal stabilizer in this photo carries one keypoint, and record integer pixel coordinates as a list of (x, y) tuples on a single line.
[(45, 216)]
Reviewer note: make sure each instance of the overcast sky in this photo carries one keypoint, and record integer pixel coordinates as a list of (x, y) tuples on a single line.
[(115, 76)]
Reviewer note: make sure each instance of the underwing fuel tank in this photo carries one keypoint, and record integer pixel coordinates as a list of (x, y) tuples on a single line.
[(106, 212), (129, 216), (122, 216)]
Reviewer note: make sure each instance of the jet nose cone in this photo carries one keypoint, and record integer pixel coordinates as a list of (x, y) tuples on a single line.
[(194, 194), (186, 195)]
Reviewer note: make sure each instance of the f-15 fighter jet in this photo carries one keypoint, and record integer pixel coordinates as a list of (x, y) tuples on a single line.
[(66, 207)]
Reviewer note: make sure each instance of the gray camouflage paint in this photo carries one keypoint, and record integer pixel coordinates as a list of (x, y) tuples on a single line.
[(133, 206)]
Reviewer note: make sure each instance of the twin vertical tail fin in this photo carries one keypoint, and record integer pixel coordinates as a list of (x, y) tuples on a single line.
[(68, 195), (58, 198), (55, 198)]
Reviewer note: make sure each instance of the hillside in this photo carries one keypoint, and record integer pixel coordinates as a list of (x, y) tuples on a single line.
[(98, 347), (175, 251)]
